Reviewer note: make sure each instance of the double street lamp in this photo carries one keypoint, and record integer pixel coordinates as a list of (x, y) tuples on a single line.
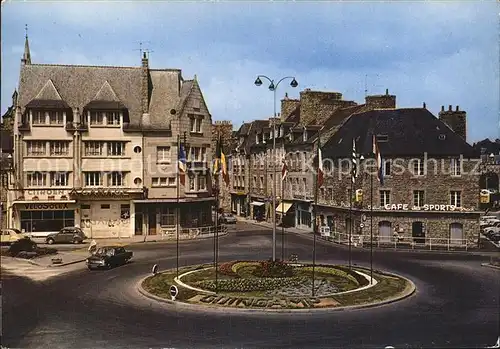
[(273, 87)]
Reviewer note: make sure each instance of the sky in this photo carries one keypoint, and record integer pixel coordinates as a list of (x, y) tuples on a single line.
[(440, 53)]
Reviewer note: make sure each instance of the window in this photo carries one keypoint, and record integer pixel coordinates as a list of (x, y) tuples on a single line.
[(418, 198), (384, 197), (304, 184), (124, 211), (35, 148), (37, 179), (382, 138), (196, 154), (56, 118), (163, 154), (418, 167), (202, 183), (456, 167), (254, 183), (59, 148), (112, 118), (456, 198), (94, 148), (93, 179), (116, 179), (39, 117), (195, 124), (85, 207), (191, 180), (96, 118), (167, 216), (105, 206), (59, 179), (261, 182), (137, 149), (116, 148), (386, 169)]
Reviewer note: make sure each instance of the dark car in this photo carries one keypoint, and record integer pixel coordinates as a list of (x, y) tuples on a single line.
[(227, 218), (108, 257), (67, 235)]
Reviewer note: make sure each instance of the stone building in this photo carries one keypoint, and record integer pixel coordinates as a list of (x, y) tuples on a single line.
[(489, 182), (96, 147), (6, 152), (429, 193), (224, 128)]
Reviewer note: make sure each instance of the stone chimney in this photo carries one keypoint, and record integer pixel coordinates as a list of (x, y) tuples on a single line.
[(288, 105), (455, 119), (317, 106), (386, 101), (145, 84)]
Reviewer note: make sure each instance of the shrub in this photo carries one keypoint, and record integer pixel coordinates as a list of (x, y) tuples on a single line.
[(226, 269), (238, 265), (361, 280), (24, 244), (38, 252), (334, 272), (249, 285), (274, 269)]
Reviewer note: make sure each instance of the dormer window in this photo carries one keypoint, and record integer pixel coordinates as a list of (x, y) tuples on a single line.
[(56, 117), (304, 136), (112, 118), (39, 117), (382, 138), (96, 118), (256, 138), (195, 123)]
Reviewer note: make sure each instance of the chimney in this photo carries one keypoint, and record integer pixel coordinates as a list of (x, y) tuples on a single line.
[(425, 106), (455, 119), (387, 92), (145, 84), (442, 108), (458, 109), (449, 107)]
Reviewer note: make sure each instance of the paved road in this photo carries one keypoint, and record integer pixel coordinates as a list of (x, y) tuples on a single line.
[(456, 306)]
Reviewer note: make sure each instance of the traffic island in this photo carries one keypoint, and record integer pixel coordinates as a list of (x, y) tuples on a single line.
[(276, 286)]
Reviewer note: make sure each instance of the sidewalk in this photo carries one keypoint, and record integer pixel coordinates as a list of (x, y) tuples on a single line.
[(270, 226), (67, 258)]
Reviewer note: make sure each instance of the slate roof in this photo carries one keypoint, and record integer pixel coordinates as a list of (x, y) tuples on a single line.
[(411, 132), (256, 126), (77, 86), (488, 146), (294, 115), (244, 129)]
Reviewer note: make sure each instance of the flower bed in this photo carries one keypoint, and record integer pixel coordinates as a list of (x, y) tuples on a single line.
[(335, 272), (250, 285)]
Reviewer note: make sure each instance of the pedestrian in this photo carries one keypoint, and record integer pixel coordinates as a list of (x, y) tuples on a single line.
[(93, 246)]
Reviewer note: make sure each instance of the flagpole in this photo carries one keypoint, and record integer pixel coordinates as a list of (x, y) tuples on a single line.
[(371, 228), (178, 201), (282, 218), (353, 173), (216, 190), (315, 223)]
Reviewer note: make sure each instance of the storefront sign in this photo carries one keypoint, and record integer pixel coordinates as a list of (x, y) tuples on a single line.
[(406, 207), (46, 206), (46, 192), (100, 192)]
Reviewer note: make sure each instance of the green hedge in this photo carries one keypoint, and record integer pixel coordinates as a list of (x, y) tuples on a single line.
[(238, 265), (249, 285), (333, 271)]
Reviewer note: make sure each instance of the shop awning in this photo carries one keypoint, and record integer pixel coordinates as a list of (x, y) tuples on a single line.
[(257, 203), (284, 207)]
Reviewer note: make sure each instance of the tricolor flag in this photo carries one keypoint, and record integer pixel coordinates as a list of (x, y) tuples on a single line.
[(320, 167), (378, 158), (354, 172), (181, 162), (284, 171)]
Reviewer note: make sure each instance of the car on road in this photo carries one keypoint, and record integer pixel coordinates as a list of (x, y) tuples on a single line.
[(227, 218), (73, 235), (10, 236), (108, 257)]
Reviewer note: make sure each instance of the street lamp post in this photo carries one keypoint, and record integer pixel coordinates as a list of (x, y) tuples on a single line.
[(273, 87)]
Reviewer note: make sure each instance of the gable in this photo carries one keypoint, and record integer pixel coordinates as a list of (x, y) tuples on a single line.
[(106, 93), (48, 92)]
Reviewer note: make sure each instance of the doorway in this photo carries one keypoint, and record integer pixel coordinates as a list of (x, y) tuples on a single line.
[(152, 223), (456, 234), (385, 231), (138, 223), (418, 233)]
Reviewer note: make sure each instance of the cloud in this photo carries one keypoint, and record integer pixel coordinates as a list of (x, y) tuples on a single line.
[(440, 53)]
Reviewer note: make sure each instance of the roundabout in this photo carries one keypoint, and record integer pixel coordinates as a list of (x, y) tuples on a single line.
[(276, 286)]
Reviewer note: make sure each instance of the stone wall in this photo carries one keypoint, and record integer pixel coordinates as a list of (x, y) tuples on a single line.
[(316, 106), (288, 105), (225, 129), (455, 119), (386, 101)]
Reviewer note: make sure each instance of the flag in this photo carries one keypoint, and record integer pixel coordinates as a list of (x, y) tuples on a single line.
[(320, 167), (354, 172), (378, 158), (181, 162), (284, 171), (220, 163)]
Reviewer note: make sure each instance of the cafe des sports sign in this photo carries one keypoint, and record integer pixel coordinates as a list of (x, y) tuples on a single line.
[(406, 207)]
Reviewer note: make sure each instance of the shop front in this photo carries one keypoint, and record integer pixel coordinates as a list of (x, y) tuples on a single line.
[(258, 210), (40, 219), (303, 215), (285, 215), (239, 203), (160, 216)]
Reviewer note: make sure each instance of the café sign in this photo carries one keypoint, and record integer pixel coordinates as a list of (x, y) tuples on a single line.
[(406, 207)]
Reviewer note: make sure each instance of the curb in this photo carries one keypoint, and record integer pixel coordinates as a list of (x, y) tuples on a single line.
[(488, 265), (55, 265), (410, 291)]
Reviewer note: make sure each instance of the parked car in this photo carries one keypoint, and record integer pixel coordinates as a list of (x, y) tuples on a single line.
[(491, 230), (108, 256), (227, 218), (73, 235), (10, 236)]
